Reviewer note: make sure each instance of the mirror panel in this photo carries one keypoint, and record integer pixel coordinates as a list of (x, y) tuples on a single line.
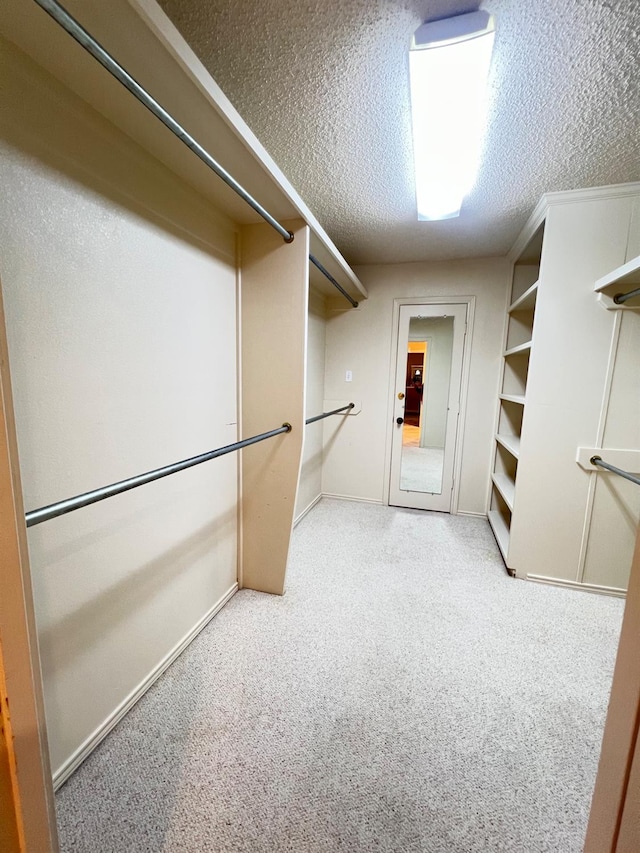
[(429, 351)]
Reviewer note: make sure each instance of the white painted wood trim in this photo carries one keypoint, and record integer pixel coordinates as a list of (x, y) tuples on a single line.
[(353, 498), (498, 394), (566, 197), (628, 460), (622, 279), (470, 514), (585, 587), (470, 302), (85, 749), (616, 276), (592, 193), (462, 410), (32, 792), (602, 422), (307, 510)]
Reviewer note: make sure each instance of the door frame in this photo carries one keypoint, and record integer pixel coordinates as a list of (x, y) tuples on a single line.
[(28, 798), (470, 302)]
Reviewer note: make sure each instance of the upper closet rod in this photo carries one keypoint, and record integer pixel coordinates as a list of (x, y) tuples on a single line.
[(77, 31), (597, 460), (37, 516), (620, 298), (332, 412)]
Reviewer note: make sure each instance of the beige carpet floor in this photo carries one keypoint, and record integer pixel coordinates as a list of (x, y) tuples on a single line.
[(404, 695)]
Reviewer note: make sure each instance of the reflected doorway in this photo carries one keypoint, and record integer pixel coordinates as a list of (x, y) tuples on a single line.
[(427, 393)]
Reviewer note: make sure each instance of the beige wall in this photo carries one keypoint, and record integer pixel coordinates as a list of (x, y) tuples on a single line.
[(310, 485), (120, 296), (356, 456)]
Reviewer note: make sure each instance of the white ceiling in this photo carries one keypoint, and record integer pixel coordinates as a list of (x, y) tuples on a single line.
[(324, 86)]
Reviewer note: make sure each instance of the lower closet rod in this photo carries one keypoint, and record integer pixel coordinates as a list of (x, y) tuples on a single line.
[(597, 460), (37, 516), (332, 412)]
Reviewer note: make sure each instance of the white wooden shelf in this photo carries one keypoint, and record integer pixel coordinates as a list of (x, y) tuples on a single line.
[(620, 280), (525, 347), (527, 301), (513, 398), (506, 487), (510, 443), (500, 530)]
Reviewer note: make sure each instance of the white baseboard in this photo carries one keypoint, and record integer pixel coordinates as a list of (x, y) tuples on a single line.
[(308, 509), (614, 591), (472, 514), (75, 759), (352, 498)]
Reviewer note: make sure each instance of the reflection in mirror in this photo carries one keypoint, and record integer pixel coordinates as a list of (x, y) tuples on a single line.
[(429, 352)]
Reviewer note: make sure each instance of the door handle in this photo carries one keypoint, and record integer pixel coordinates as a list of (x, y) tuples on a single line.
[(399, 420)]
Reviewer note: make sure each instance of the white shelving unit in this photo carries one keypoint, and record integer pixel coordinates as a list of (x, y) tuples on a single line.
[(507, 488), (510, 443), (517, 349), (568, 373)]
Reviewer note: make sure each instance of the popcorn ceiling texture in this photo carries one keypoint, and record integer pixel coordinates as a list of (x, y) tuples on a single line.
[(324, 85)]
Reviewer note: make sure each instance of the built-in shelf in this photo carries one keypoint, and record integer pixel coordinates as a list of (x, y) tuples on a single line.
[(527, 301), (620, 280), (525, 347), (513, 398), (510, 443), (506, 487), (500, 530)]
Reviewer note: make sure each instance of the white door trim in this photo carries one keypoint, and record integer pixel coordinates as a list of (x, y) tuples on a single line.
[(470, 302)]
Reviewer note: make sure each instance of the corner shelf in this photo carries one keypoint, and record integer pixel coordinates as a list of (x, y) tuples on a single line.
[(517, 348), (510, 443), (620, 280), (513, 398), (507, 488), (500, 530), (525, 347), (526, 302)]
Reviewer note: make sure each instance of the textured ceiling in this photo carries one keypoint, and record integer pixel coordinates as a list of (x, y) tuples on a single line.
[(324, 86)]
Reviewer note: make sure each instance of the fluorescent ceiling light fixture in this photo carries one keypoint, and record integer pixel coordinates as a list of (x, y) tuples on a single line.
[(449, 65)]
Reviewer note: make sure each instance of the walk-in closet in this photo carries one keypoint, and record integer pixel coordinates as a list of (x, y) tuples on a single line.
[(231, 588)]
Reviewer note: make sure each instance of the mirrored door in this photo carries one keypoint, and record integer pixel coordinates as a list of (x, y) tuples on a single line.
[(426, 405)]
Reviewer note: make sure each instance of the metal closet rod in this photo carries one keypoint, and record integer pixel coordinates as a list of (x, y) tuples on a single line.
[(37, 516), (597, 460), (621, 298), (332, 412), (87, 41), (328, 275)]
